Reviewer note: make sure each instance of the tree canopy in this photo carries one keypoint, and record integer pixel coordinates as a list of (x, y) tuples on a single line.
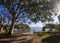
[(57, 27), (48, 26), (19, 11), (35, 10)]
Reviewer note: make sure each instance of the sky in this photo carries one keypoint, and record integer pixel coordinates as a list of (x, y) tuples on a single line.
[(39, 24)]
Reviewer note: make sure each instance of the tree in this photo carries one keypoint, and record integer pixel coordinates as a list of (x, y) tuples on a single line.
[(35, 11), (50, 26), (57, 27), (22, 27), (43, 28), (3, 17), (0, 23), (59, 18)]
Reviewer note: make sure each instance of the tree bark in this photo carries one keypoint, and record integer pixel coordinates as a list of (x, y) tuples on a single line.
[(11, 28), (1, 27)]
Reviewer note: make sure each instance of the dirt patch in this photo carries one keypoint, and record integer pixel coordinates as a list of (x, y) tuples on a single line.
[(18, 38)]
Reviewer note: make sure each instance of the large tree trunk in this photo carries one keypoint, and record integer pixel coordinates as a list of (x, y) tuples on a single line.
[(1, 27), (11, 28)]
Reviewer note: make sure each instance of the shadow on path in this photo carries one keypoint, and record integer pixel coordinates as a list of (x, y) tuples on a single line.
[(23, 41), (15, 39)]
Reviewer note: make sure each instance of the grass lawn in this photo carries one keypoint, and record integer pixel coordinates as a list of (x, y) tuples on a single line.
[(45, 36)]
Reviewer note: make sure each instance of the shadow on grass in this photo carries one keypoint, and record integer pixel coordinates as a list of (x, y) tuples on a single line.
[(52, 39)]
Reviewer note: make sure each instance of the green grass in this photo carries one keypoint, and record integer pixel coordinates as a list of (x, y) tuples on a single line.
[(44, 36), (41, 35)]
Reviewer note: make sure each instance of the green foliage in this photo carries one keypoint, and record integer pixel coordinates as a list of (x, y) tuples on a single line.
[(23, 27), (57, 27), (59, 18), (36, 11), (40, 9), (50, 26)]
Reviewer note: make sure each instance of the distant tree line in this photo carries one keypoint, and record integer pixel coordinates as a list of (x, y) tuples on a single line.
[(23, 27), (51, 27)]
